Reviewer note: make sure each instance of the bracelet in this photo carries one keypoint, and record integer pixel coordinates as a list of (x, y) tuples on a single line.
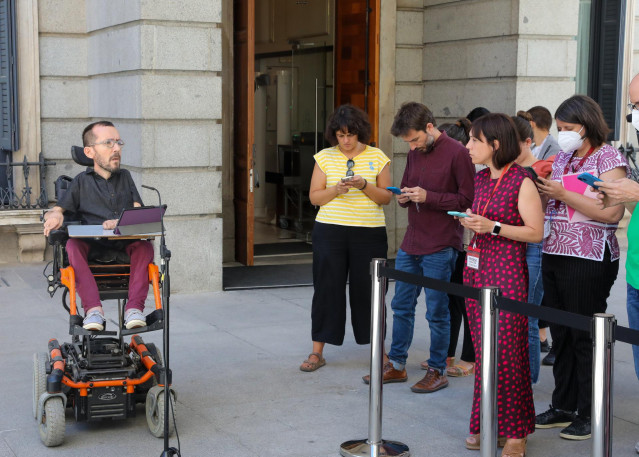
[(365, 184)]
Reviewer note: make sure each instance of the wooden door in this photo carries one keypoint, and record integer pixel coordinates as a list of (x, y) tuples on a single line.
[(243, 126), (357, 56)]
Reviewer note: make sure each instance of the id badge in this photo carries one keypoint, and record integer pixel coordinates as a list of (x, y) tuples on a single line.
[(547, 223), (472, 258)]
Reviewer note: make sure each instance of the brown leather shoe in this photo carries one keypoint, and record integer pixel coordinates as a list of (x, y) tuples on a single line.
[(390, 375), (432, 382)]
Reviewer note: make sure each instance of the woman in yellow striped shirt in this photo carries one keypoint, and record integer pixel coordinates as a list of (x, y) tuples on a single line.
[(349, 185)]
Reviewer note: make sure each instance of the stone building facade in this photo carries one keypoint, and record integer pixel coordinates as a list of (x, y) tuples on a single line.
[(162, 71)]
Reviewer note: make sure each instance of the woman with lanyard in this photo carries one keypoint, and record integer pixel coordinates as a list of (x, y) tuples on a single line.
[(349, 185), (506, 214), (580, 255)]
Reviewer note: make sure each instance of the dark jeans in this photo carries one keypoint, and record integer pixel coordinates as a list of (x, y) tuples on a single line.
[(438, 265), (457, 307), (339, 253), (578, 286)]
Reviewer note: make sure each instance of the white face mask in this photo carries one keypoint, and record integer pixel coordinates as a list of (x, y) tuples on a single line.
[(635, 119), (570, 141)]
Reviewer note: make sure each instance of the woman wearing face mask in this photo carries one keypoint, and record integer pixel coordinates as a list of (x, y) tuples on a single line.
[(580, 256)]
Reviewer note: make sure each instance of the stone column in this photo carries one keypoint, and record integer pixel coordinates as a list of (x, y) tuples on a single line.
[(504, 55), (155, 70)]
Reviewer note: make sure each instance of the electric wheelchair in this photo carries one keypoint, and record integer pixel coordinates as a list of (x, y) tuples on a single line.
[(100, 375)]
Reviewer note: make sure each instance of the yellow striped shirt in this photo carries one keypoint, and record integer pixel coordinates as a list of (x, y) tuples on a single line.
[(353, 208)]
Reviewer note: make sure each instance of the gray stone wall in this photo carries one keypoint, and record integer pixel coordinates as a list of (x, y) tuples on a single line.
[(154, 69), (505, 55)]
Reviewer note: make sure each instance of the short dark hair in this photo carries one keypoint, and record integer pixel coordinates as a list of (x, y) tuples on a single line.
[(88, 137), (500, 127), (348, 118), (459, 131), (541, 117), (583, 110), (412, 116), (476, 113), (522, 124)]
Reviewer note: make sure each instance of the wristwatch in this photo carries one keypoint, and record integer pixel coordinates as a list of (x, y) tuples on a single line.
[(496, 229)]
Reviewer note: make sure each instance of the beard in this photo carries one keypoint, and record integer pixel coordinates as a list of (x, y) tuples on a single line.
[(430, 144), (106, 164)]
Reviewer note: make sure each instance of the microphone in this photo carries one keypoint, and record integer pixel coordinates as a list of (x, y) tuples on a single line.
[(156, 191)]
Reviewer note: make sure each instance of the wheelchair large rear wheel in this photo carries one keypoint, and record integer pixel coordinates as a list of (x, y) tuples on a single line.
[(39, 379), (155, 414), (52, 422)]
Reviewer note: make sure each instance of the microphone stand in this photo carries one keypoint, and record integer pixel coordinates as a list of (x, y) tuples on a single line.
[(165, 257)]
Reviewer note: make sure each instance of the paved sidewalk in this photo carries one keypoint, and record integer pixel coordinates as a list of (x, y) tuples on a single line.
[(235, 358)]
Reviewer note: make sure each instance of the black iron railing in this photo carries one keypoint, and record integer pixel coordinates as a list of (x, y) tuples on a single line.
[(630, 153), (12, 198)]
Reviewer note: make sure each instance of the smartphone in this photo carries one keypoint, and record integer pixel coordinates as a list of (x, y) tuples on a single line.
[(457, 214), (533, 174), (589, 179), (347, 178), (395, 190)]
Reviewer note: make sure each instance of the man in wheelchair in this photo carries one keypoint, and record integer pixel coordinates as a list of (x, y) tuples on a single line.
[(98, 196)]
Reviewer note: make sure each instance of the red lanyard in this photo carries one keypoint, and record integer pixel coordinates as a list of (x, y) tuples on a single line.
[(503, 172), (473, 242), (567, 168), (581, 162)]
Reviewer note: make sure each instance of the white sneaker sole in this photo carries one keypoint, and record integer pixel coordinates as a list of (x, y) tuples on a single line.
[(554, 425), (97, 327), (135, 323), (575, 437)]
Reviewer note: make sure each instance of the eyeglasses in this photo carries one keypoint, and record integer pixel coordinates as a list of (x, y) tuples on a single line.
[(109, 143), (350, 163), (632, 106)]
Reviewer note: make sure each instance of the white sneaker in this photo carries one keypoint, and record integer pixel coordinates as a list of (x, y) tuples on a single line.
[(134, 318), (93, 321)]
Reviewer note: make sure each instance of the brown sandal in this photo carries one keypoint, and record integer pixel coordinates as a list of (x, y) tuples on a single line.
[(474, 444), (449, 362), (457, 371), (514, 449), (312, 366)]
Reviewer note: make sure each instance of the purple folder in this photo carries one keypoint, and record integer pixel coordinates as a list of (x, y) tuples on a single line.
[(140, 220)]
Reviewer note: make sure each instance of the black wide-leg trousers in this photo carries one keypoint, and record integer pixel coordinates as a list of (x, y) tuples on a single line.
[(342, 253), (578, 286)]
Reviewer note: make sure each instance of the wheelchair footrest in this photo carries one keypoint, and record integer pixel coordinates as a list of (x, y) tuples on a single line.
[(155, 326), (154, 321), (75, 328)]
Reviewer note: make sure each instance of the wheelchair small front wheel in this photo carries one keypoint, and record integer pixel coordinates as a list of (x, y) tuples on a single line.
[(52, 422), (39, 379), (155, 413)]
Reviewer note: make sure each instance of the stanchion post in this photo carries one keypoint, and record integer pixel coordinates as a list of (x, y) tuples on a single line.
[(602, 357), (489, 335), (375, 446)]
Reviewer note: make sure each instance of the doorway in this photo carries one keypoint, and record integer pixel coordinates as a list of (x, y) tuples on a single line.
[(301, 70)]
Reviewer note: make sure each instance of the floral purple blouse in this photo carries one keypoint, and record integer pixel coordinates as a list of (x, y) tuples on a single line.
[(585, 239)]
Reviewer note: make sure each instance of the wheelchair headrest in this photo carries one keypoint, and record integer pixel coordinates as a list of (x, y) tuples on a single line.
[(79, 157)]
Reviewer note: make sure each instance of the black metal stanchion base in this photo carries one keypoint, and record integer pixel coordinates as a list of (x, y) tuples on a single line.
[(362, 448)]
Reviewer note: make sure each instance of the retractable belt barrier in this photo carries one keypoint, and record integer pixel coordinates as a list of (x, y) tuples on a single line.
[(603, 328)]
